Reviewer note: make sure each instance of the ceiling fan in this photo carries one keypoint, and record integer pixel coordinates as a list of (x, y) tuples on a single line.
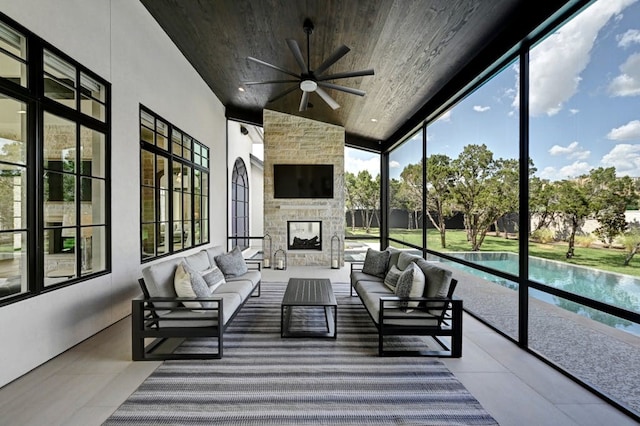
[(312, 80)]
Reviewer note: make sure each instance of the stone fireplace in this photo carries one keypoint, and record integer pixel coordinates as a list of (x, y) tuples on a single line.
[(290, 139), (304, 235)]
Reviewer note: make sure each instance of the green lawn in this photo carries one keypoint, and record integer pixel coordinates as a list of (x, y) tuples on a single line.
[(599, 258)]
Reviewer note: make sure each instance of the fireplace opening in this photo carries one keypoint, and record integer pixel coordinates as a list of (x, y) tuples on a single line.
[(304, 235)]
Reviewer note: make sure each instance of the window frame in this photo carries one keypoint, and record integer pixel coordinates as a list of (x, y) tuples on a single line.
[(32, 94), (175, 140)]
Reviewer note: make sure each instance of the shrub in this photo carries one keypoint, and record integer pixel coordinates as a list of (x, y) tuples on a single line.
[(542, 235), (585, 240)]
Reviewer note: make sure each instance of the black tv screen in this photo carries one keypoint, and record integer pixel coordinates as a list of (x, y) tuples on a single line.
[(303, 180)]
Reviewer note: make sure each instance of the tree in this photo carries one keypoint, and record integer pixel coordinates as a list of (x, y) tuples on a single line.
[(541, 202), (631, 241), (411, 189), (440, 180), (368, 197), (613, 196), (572, 202), (350, 197), (474, 191)]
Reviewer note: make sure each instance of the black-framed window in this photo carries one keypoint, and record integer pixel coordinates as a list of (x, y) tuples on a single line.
[(54, 167), (240, 204), (174, 188)]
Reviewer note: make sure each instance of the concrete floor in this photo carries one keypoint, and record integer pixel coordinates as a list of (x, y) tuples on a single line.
[(84, 385)]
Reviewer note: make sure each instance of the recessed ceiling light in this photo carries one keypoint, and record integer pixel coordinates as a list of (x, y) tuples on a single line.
[(375, 120), (22, 111), (241, 89)]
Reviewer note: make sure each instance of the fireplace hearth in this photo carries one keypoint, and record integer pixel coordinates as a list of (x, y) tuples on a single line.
[(304, 235)]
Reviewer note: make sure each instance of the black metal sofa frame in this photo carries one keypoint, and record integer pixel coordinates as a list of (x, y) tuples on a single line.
[(434, 317)]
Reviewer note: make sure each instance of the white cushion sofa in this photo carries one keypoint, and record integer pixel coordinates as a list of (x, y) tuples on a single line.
[(161, 315), (426, 308)]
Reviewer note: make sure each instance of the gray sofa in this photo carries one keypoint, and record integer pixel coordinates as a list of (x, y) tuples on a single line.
[(160, 315), (433, 313)]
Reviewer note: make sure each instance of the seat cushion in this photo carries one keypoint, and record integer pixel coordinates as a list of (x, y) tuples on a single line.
[(212, 252), (199, 261), (158, 278), (252, 276)]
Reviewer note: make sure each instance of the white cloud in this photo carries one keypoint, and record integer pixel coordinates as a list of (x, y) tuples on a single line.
[(628, 38), (356, 165), (572, 151), (394, 164), (570, 171), (628, 82), (480, 108), (574, 111), (628, 131), (445, 117), (557, 62), (574, 170), (625, 158)]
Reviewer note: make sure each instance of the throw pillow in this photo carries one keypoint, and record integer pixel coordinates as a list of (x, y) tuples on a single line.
[(375, 263), (410, 284), (214, 278), (189, 283), (232, 264), (391, 279)]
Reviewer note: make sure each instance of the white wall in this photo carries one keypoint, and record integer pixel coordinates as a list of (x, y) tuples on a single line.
[(239, 145), (120, 41)]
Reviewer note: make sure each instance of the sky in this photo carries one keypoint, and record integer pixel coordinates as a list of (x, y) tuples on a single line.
[(584, 102)]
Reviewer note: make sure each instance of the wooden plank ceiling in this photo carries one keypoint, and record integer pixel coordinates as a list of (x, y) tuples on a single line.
[(414, 46)]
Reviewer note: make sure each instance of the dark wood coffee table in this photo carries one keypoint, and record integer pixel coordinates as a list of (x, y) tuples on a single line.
[(309, 292)]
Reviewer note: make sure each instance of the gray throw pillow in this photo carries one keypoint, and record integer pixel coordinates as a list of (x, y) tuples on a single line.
[(232, 264), (189, 283), (375, 263), (213, 277), (410, 284)]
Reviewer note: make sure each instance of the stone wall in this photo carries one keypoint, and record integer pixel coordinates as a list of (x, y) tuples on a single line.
[(295, 140)]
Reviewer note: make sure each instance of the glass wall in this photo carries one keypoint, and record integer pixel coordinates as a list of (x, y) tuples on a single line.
[(472, 170), (571, 290), (584, 118), (362, 202), (406, 196)]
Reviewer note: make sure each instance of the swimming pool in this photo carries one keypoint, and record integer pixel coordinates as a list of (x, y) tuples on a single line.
[(615, 289)]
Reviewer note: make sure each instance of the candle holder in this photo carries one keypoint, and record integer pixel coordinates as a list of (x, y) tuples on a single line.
[(266, 255), (335, 252), (280, 260)]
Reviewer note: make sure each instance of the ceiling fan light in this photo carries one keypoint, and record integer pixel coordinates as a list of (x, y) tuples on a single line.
[(308, 85)]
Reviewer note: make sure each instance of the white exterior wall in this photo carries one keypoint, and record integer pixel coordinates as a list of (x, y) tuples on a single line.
[(239, 145), (120, 41)]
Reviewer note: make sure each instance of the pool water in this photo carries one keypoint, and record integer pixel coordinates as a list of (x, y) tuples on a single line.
[(615, 289)]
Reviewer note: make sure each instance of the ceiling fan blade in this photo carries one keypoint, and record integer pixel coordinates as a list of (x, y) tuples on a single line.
[(342, 88), (304, 101), (250, 83), (346, 75), (283, 93), (328, 99), (275, 67), (297, 53), (337, 54)]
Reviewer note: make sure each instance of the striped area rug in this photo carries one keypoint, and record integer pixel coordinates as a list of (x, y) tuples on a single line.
[(266, 380)]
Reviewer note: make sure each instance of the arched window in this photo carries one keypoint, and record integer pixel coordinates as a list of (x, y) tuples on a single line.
[(240, 204)]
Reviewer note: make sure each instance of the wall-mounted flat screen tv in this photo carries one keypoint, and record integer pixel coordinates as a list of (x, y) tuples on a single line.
[(303, 180)]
